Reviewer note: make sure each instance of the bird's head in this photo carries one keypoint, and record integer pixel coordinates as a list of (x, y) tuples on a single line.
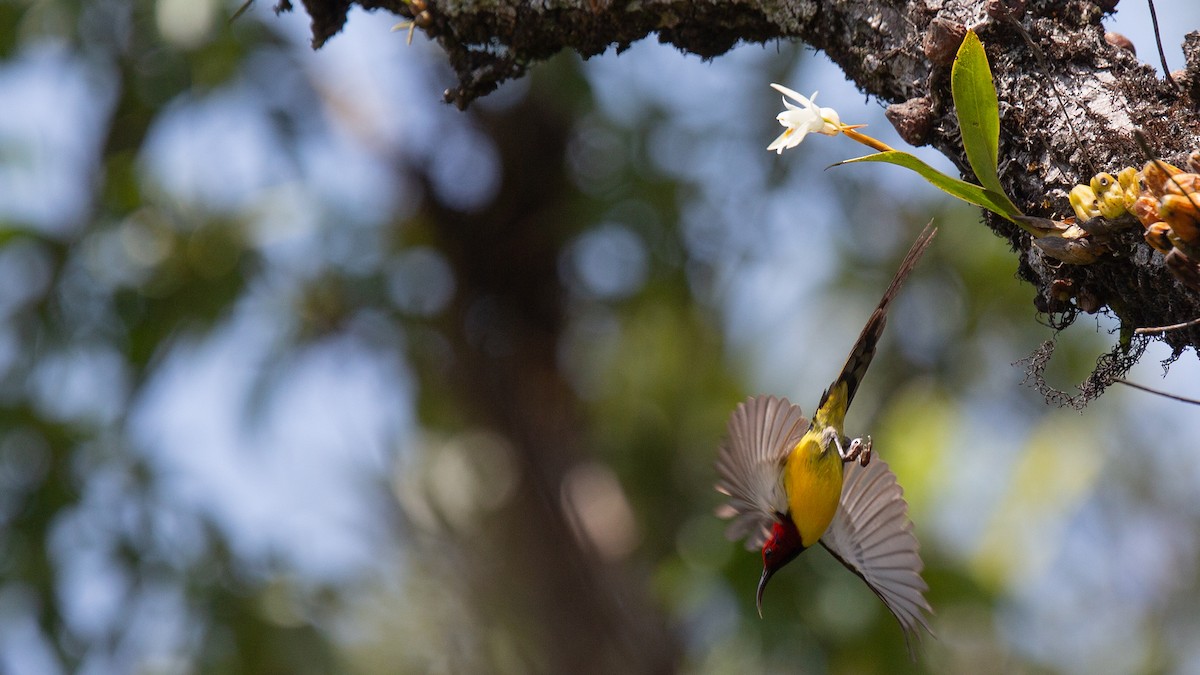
[(780, 548)]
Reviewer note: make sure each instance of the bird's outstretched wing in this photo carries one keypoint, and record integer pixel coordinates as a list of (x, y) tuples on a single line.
[(872, 536), (762, 431)]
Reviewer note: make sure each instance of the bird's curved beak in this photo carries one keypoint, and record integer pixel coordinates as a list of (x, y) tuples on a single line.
[(762, 585)]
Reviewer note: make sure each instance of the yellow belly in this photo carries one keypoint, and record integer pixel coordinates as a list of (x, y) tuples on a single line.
[(813, 481)]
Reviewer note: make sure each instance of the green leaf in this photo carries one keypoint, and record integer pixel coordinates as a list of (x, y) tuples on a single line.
[(991, 200), (978, 114), (9, 234)]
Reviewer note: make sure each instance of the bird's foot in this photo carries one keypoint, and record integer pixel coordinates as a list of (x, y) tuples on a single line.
[(859, 449)]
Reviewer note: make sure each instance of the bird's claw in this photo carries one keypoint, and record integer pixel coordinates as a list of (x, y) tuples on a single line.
[(859, 449)]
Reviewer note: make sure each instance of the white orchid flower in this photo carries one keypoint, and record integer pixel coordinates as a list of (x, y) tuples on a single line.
[(802, 119)]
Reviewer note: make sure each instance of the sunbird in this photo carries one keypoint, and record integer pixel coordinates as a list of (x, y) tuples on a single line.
[(788, 489)]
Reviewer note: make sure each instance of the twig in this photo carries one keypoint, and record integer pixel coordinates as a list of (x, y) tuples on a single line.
[(1162, 56), (1164, 329), (1164, 394)]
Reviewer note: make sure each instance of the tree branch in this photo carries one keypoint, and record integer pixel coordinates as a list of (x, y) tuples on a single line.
[(895, 51)]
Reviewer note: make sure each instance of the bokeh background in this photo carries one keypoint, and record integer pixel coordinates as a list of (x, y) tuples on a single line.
[(302, 371)]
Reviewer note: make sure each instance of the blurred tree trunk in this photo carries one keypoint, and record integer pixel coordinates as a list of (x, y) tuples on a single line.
[(575, 612), (900, 52)]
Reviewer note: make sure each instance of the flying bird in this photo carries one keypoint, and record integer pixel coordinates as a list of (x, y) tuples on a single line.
[(793, 482)]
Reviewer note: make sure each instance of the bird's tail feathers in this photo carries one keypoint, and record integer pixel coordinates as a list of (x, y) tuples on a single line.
[(864, 349)]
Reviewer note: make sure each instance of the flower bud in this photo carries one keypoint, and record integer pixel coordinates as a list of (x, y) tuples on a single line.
[(912, 119), (1120, 41), (942, 41)]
